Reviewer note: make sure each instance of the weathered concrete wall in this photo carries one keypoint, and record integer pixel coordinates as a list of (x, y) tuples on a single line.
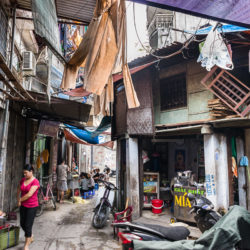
[(132, 164), (15, 159), (197, 95), (241, 173), (216, 169), (247, 153), (101, 156)]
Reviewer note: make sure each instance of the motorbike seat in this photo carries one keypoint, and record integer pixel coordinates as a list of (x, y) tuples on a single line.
[(171, 233)]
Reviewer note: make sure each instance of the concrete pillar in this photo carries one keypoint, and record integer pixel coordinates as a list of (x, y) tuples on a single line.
[(247, 153), (118, 171), (132, 160), (216, 169), (241, 173)]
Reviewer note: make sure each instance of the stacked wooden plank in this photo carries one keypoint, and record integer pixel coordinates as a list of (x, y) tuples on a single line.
[(218, 109)]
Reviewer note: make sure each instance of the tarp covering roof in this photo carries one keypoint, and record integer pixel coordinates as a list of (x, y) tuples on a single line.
[(227, 28), (233, 11)]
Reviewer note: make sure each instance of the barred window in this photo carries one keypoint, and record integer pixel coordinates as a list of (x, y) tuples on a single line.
[(173, 92)]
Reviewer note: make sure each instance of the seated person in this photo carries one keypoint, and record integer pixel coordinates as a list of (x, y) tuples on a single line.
[(84, 182)]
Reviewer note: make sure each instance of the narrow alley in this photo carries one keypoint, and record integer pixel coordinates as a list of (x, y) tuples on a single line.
[(69, 227), (124, 124)]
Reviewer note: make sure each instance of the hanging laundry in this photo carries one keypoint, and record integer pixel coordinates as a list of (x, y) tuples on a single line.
[(234, 167), (244, 161), (42, 158), (214, 51)]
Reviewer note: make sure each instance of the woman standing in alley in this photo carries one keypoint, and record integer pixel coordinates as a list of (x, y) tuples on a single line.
[(28, 202)]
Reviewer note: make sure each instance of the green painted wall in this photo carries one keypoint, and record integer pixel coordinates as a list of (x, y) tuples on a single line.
[(197, 95)]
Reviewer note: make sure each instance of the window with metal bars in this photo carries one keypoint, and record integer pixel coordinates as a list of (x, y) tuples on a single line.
[(173, 92), (3, 31)]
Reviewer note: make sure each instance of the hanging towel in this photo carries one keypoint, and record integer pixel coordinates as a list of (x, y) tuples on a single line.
[(244, 161)]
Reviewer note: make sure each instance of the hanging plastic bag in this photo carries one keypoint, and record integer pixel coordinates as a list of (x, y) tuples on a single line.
[(215, 52), (145, 158)]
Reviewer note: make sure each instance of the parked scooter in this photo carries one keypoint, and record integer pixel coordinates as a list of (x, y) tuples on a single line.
[(148, 232), (205, 216), (104, 206)]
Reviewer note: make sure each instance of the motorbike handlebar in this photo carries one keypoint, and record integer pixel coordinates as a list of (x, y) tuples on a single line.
[(109, 184)]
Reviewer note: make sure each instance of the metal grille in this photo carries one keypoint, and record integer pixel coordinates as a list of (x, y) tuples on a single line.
[(26, 60), (140, 120), (173, 92), (3, 32), (229, 89)]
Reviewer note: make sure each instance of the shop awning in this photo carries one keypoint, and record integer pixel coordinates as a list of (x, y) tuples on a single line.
[(66, 111), (233, 12)]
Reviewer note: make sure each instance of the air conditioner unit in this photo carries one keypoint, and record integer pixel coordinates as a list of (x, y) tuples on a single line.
[(29, 63)]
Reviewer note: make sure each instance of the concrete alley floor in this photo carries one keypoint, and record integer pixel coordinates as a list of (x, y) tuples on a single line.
[(69, 227)]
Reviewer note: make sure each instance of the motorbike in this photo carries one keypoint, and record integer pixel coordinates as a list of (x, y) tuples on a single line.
[(205, 215), (148, 232), (104, 206)]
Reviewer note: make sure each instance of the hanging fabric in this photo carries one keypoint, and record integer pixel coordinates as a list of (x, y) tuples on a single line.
[(102, 52)]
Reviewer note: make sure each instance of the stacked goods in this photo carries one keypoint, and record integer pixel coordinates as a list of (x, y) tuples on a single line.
[(220, 110)]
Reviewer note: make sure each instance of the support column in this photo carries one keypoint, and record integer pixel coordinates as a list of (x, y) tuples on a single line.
[(132, 160), (216, 169), (247, 153), (118, 173), (241, 173)]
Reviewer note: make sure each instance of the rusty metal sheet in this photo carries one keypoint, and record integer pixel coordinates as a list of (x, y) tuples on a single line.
[(140, 120), (120, 113)]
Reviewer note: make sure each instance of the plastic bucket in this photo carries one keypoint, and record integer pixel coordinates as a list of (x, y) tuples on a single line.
[(96, 186), (157, 206)]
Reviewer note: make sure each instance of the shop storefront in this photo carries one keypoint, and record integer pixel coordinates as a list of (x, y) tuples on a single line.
[(163, 160)]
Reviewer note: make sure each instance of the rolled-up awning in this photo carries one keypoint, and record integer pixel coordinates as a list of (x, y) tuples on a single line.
[(66, 111)]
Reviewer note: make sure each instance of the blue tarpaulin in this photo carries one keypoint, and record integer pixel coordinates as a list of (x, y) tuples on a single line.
[(84, 135), (92, 137), (228, 28)]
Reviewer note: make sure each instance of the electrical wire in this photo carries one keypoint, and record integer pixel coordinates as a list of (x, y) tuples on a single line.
[(192, 38)]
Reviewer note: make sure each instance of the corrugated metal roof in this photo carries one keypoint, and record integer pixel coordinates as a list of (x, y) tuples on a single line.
[(159, 52), (78, 10)]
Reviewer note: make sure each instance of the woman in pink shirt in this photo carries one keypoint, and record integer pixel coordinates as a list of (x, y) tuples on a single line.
[(28, 202)]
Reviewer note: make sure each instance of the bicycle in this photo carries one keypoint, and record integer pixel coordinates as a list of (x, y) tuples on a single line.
[(44, 197)]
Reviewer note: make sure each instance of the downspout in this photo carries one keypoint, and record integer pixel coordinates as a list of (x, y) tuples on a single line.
[(3, 150)]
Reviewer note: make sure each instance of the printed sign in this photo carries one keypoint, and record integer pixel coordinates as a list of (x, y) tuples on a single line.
[(210, 185), (180, 197), (149, 187)]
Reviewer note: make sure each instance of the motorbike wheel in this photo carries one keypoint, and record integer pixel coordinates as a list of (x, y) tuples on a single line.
[(39, 210), (53, 203), (100, 220)]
